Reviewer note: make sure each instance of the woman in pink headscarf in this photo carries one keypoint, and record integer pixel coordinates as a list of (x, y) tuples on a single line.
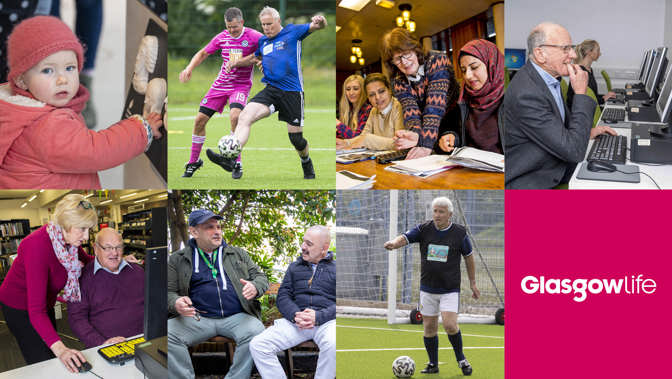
[(482, 91)]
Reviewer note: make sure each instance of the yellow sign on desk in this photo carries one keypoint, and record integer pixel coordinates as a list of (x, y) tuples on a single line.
[(629, 93), (634, 110)]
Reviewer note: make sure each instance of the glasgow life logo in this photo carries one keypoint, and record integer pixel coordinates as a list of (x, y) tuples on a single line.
[(580, 288)]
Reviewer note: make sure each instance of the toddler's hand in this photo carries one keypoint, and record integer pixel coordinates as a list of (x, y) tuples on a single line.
[(155, 122)]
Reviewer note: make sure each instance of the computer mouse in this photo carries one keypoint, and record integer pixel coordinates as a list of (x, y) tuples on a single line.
[(86, 366), (600, 166), (609, 121)]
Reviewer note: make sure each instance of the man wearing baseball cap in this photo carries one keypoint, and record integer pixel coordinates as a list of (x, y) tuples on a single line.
[(212, 290)]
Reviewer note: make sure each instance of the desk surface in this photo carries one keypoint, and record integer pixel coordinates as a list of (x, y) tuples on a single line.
[(53, 369), (661, 173), (456, 178)]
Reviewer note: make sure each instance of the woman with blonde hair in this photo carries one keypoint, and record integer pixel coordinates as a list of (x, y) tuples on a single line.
[(385, 118), (588, 52), (353, 108), (48, 260), (425, 86)]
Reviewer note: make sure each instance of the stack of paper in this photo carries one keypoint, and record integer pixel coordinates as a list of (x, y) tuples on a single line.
[(463, 156), (422, 167), (349, 180)]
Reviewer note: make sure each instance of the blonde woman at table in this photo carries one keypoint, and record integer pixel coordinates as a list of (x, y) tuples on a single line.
[(353, 108), (385, 119), (49, 260)]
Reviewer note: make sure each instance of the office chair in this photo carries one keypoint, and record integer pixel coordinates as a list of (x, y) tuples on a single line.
[(598, 111), (606, 79)]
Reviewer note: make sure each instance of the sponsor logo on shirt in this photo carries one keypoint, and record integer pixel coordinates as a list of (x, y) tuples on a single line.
[(280, 45), (245, 43)]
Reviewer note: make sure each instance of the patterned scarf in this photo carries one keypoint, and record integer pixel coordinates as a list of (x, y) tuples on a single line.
[(490, 95), (69, 259)]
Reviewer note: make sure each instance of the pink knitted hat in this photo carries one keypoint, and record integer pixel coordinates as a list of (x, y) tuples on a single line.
[(37, 38)]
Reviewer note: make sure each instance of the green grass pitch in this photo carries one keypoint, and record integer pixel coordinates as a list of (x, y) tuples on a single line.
[(269, 159), (366, 348)]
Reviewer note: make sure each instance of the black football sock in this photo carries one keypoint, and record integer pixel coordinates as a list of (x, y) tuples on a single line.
[(456, 341), (432, 347)]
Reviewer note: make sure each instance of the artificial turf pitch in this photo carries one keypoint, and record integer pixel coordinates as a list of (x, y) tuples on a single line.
[(269, 159), (366, 348)]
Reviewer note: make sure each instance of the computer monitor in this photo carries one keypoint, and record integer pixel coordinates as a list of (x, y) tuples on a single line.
[(514, 58), (656, 70), (650, 55), (156, 302), (642, 66)]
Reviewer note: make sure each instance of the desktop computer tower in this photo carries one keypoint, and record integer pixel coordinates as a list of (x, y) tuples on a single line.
[(156, 301), (645, 147)]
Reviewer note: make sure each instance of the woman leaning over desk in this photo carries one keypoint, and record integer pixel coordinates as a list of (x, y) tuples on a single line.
[(353, 108), (49, 260), (425, 86), (482, 66)]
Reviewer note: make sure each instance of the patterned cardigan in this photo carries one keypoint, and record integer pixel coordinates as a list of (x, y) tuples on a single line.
[(426, 101), (345, 132)]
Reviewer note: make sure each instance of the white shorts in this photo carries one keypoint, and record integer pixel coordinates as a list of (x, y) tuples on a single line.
[(431, 304)]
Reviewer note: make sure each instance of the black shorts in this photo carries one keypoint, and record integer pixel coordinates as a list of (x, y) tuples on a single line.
[(289, 104)]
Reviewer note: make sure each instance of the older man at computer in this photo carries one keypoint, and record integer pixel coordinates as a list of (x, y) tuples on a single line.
[(113, 295), (544, 138)]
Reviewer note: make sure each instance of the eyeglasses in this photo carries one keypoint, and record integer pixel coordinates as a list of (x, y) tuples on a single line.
[(109, 249), (407, 57), (85, 204), (565, 48)]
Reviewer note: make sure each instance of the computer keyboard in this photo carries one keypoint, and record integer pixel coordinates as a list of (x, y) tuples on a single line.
[(120, 352), (613, 114), (608, 148)]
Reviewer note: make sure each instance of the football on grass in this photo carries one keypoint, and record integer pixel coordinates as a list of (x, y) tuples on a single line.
[(229, 146), (403, 367)]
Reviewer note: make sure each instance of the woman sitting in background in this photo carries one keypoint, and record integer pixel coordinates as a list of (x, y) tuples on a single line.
[(385, 118), (482, 66), (353, 108), (425, 86), (586, 53)]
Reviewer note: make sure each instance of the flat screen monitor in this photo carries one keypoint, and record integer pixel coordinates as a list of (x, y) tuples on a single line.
[(514, 58), (647, 68), (656, 68), (155, 320), (643, 65), (664, 100)]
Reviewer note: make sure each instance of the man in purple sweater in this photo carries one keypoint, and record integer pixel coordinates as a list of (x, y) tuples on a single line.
[(112, 295)]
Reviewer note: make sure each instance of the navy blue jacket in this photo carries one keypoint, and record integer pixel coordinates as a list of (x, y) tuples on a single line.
[(297, 292)]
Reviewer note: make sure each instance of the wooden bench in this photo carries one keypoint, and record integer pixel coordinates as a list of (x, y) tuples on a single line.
[(309, 345)]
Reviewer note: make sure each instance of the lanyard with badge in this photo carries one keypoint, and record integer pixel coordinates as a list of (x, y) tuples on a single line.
[(211, 264)]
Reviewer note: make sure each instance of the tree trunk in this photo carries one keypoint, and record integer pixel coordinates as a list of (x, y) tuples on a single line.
[(178, 228)]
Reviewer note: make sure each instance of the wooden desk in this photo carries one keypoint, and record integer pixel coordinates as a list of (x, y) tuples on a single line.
[(456, 178)]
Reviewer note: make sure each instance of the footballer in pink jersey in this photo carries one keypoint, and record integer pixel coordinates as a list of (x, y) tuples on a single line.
[(232, 86)]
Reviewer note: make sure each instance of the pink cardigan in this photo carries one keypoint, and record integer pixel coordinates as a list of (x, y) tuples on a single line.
[(47, 147), (35, 279)]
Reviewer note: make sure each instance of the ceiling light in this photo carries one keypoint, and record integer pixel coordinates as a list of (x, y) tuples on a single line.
[(105, 202), (385, 3), (32, 198), (88, 196), (141, 200), (129, 195), (337, 28), (355, 5), (24, 205), (361, 61)]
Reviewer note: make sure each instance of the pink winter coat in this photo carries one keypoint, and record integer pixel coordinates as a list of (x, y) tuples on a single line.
[(42, 146)]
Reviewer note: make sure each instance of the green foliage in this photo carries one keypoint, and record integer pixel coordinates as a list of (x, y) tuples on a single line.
[(193, 23), (268, 224)]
